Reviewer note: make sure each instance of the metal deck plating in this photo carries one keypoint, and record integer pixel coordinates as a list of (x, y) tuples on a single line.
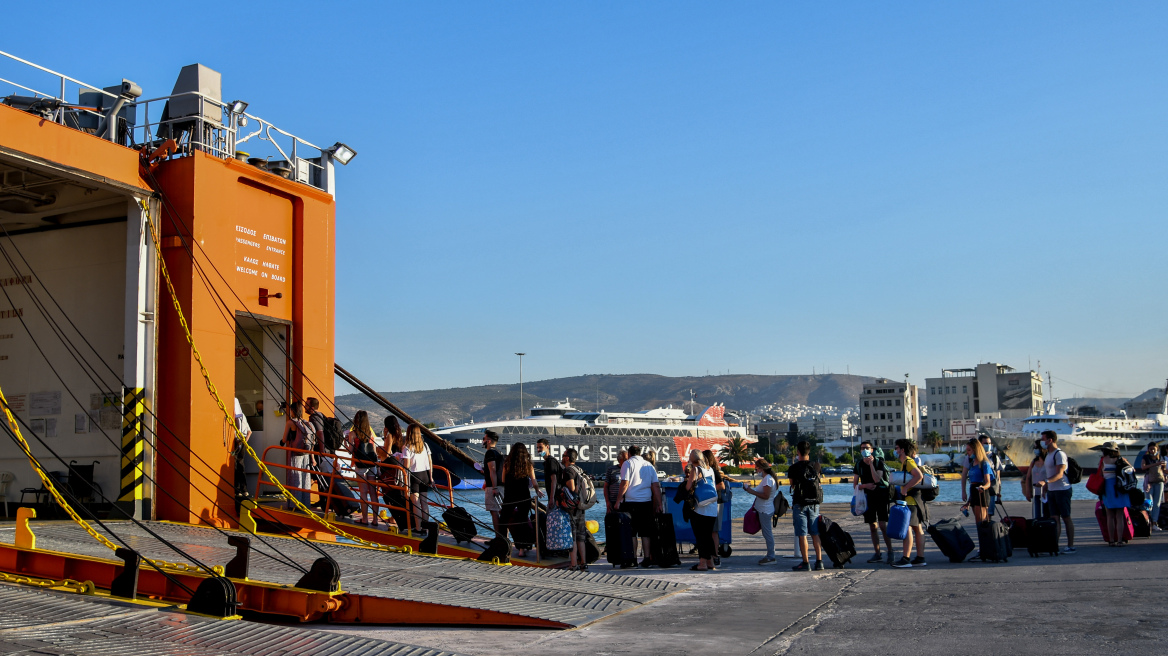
[(47, 622), (392, 588)]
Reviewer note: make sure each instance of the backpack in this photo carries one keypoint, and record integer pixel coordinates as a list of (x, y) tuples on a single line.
[(1125, 476), (1074, 472), (587, 493), (333, 438), (366, 451), (806, 491), (995, 475)]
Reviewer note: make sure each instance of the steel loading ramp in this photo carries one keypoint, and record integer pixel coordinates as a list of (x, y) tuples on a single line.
[(44, 622), (396, 588)]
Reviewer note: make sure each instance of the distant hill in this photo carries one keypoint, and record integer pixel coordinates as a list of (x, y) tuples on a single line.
[(621, 393)]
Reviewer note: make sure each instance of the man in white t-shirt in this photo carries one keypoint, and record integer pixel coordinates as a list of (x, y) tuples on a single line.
[(1058, 488), (640, 496)]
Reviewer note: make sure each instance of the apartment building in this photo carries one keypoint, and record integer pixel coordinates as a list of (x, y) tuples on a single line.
[(889, 411), (961, 397)]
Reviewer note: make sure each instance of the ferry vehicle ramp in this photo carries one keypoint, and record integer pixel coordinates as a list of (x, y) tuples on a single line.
[(382, 587), (50, 622)]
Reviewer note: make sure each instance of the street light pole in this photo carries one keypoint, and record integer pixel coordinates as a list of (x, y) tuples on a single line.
[(521, 383)]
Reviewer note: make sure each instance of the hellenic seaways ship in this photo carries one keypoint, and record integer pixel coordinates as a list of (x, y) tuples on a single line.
[(599, 436)]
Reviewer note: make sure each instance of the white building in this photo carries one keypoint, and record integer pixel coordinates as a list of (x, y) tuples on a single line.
[(961, 397), (889, 412)]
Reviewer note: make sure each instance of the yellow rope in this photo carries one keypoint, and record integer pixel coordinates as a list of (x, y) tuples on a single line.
[(211, 389), (82, 587), (52, 488)]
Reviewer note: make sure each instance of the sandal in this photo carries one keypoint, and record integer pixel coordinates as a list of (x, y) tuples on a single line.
[(361, 522), (697, 569)]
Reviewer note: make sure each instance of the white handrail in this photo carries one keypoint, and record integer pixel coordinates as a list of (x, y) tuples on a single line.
[(60, 75)]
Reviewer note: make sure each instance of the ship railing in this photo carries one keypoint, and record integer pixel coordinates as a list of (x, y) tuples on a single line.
[(212, 128), (393, 478)]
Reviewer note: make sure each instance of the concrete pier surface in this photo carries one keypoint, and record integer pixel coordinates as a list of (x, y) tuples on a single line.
[(1100, 600)]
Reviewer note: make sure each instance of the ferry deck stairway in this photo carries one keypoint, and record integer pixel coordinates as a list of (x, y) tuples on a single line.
[(380, 587)]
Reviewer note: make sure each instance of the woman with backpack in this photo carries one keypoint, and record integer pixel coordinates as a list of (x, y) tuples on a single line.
[(361, 443), (704, 516), (1115, 499), (981, 477), (764, 505), (518, 483), (416, 457), (720, 485)]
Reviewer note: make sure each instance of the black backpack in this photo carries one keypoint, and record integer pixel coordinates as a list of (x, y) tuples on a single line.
[(1074, 472), (806, 491), (333, 439)]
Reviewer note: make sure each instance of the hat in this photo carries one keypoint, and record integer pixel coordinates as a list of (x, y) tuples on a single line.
[(1106, 446)]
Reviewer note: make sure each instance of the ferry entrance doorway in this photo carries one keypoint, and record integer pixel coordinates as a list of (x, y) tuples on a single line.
[(262, 369)]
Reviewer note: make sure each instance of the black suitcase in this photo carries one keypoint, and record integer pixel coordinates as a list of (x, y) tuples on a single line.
[(398, 502), (836, 542), (460, 523), (993, 538), (1141, 526), (519, 523), (499, 547), (1042, 536), (952, 539), (591, 549), (618, 539), (664, 542)]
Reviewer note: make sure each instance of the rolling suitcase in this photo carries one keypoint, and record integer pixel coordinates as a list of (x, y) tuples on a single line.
[(993, 541), (836, 542), (952, 539), (1101, 517), (1042, 536), (664, 542), (1141, 525), (460, 524), (1017, 529), (618, 539)]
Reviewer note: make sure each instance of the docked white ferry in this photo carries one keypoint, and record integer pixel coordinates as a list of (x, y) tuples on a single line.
[(1078, 433), (598, 437)]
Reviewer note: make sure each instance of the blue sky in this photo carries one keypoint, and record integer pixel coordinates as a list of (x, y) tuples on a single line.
[(679, 188)]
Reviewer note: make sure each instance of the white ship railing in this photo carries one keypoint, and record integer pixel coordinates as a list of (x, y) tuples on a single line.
[(214, 129)]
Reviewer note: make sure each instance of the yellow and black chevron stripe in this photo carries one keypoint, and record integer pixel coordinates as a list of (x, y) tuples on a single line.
[(133, 444)]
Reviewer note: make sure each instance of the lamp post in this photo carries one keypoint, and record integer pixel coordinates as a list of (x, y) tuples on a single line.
[(521, 383)]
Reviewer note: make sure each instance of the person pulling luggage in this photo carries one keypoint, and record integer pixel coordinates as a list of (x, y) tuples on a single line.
[(980, 479), (806, 495), (906, 452), (871, 476), (764, 506)]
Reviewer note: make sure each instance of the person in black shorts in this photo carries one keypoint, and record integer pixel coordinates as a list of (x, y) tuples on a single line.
[(872, 477), (640, 496)]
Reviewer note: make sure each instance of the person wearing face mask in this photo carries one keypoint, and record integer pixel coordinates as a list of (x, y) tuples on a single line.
[(996, 466), (1153, 466), (1057, 487), (872, 477), (1031, 482)]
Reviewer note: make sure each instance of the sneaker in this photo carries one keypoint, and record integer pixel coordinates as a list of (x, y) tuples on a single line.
[(818, 565), (801, 567), (765, 560), (646, 563), (877, 559), (889, 560), (903, 563), (1156, 528), (1068, 550), (919, 561)]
